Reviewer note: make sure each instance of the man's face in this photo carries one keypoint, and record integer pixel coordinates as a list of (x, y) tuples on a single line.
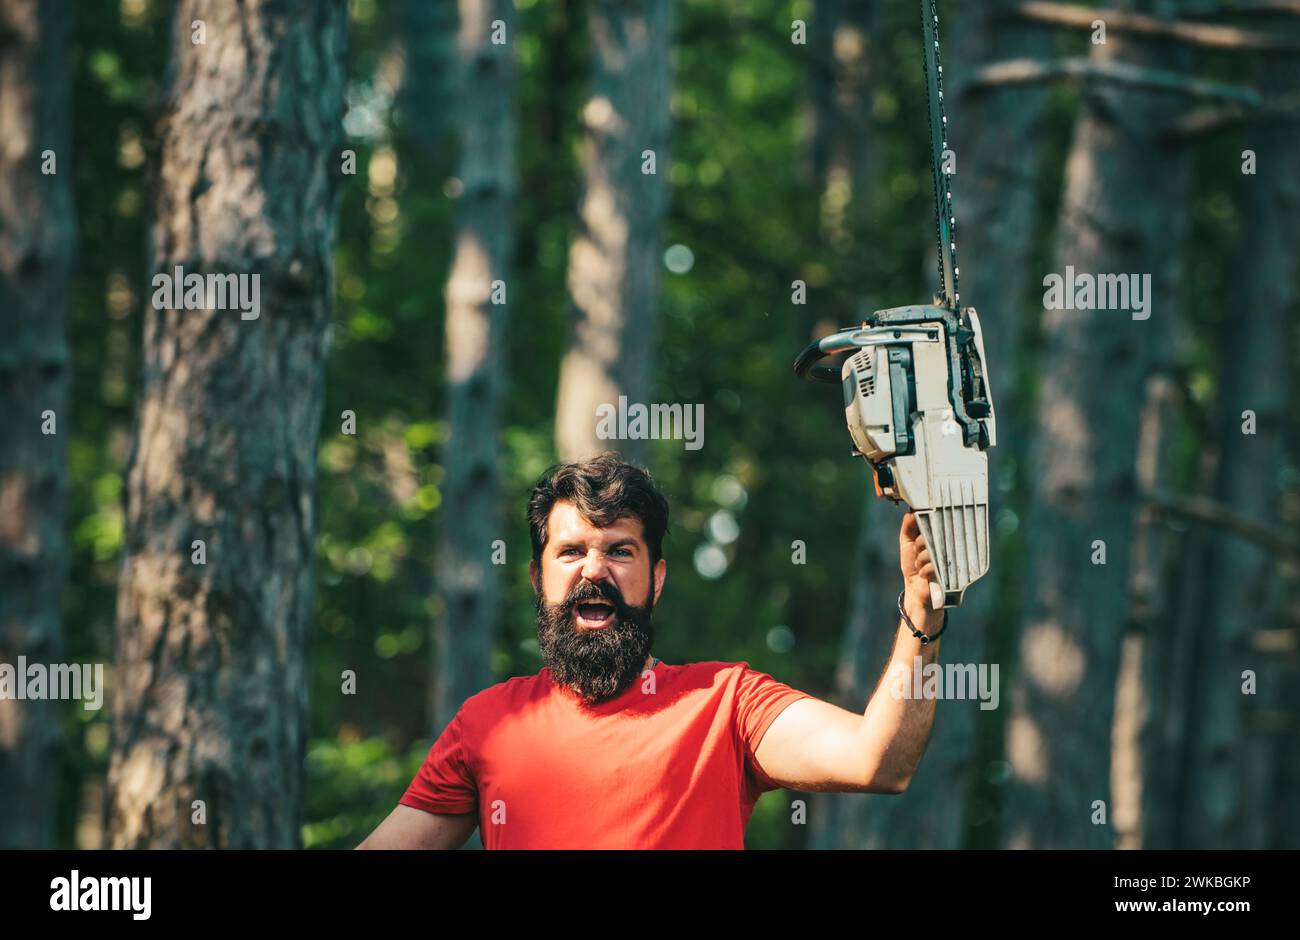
[(595, 593)]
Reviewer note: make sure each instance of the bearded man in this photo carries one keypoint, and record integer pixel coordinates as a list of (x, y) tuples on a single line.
[(607, 746)]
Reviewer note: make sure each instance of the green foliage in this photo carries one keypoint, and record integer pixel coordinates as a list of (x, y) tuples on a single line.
[(350, 786)]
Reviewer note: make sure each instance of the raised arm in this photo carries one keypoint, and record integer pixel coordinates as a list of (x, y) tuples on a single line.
[(816, 745)]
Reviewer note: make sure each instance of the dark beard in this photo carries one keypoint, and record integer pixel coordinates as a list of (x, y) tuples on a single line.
[(597, 664)]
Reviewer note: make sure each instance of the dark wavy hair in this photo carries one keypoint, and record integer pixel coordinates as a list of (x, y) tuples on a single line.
[(604, 489)]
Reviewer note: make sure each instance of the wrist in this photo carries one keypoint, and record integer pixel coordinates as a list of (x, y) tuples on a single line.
[(919, 617), (919, 610)]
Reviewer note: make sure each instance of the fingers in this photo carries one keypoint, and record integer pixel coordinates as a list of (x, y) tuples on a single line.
[(925, 565), (911, 532)]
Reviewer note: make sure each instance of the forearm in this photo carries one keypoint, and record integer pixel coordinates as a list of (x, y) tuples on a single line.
[(897, 722)]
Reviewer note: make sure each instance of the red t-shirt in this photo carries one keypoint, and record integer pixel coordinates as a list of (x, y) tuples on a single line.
[(668, 764)]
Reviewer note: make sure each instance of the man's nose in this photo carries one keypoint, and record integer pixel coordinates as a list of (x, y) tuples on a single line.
[(595, 567)]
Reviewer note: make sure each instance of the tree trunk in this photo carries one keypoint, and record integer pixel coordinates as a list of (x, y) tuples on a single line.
[(429, 50), (996, 199), (469, 521), (841, 164), (1167, 643), (1237, 739), (614, 262), (842, 169), (37, 248), (1145, 683), (211, 697), (841, 152), (1123, 212), (840, 159)]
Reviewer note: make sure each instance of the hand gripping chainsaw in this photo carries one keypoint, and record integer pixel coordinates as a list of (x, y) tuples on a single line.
[(916, 392)]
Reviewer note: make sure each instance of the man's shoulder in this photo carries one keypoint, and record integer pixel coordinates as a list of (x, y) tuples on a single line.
[(709, 672), (506, 691), (713, 666)]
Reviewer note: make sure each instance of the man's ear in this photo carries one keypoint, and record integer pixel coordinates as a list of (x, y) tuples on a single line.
[(660, 575), (532, 577)]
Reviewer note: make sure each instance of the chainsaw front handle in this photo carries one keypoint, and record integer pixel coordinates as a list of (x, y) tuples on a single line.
[(806, 367)]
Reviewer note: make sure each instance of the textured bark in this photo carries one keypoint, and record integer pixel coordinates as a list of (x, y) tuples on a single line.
[(615, 258), (996, 201), (1082, 467), (1237, 741), (37, 247), (469, 521), (211, 697)]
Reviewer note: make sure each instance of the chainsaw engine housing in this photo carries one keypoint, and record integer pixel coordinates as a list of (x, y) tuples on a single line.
[(918, 407)]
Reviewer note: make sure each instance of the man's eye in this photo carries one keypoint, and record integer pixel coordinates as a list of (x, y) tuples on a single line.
[(566, 551), (623, 551)]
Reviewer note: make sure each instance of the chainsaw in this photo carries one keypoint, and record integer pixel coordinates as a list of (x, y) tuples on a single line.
[(916, 391)]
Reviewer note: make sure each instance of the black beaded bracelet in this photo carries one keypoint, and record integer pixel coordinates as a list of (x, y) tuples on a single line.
[(925, 640)]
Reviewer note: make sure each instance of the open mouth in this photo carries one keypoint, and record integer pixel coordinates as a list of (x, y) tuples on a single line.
[(593, 615)]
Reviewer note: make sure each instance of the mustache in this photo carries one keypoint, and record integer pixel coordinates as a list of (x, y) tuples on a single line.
[(596, 591), (597, 665)]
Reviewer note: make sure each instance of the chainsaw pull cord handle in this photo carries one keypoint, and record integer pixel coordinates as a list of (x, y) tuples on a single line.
[(925, 640)]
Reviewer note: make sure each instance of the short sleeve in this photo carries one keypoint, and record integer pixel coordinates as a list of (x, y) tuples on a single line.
[(759, 700), (444, 783)]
